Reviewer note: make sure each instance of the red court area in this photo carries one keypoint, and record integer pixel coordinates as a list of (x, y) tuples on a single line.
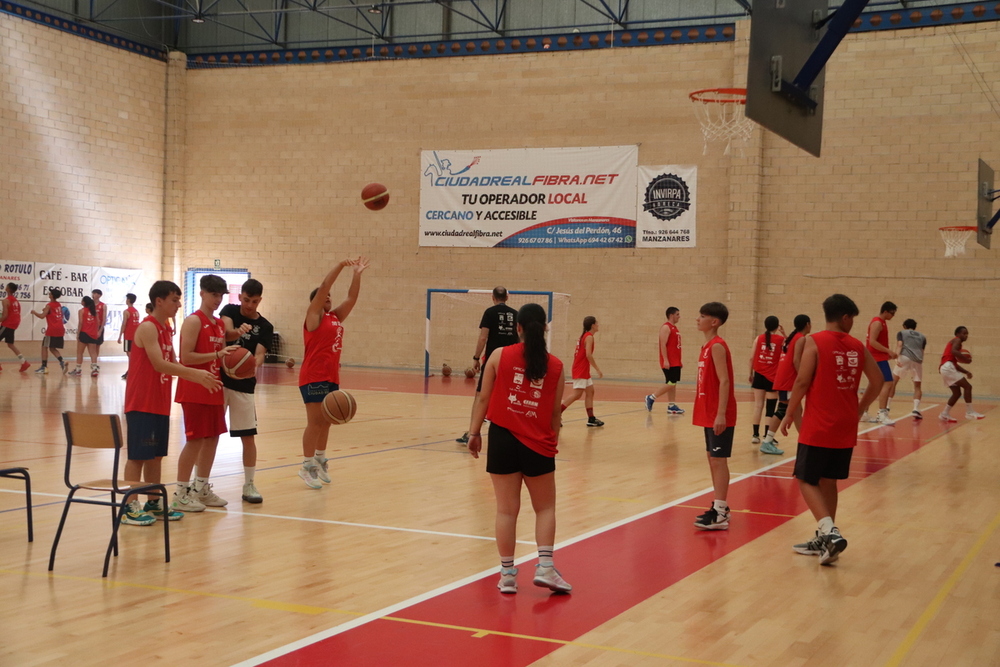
[(613, 571)]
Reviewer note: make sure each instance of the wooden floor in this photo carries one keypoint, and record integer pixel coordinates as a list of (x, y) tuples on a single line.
[(410, 512)]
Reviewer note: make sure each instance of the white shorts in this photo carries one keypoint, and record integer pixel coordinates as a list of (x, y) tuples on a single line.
[(950, 375), (242, 413), (583, 384), (906, 366)]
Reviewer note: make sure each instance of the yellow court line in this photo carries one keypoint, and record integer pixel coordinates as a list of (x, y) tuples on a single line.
[(256, 602), (935, 606), (479, 633)]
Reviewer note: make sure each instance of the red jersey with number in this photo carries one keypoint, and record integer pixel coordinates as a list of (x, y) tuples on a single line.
[(13, 319), (673, 359), (102, 314), (323, 347), (54, 325), (581, 365), (130, 319), (211, 339), (88, 323), (831, 414), (706, 399), (765, 357), (948, 354), (522, 406), (784, 378), (146, 390), (883, 340)]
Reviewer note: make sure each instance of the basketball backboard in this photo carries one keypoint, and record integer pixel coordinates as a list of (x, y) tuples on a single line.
[(984, 204)]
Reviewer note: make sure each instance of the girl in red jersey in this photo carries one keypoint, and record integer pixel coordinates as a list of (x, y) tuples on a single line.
[(55, 330), (583, 359), (524, 435), (86, 339), (319, 374), (763, 369), (784, 380)]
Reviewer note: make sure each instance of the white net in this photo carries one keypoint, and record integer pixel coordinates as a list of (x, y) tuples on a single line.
[(453, 328), (720, 112), (955, 239)]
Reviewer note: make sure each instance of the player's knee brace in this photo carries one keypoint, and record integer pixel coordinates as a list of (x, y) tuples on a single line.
[(780, 411), (769, 406)]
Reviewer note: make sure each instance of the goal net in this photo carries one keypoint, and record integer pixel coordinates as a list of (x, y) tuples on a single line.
[(453, 316)]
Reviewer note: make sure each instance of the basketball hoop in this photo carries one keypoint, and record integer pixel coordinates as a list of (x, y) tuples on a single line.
[(955, 239), (720, 112)]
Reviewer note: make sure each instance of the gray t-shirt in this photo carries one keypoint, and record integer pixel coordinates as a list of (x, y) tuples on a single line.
[(914, 343)]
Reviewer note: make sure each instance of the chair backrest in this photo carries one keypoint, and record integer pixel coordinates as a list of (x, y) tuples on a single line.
[(93, 432)]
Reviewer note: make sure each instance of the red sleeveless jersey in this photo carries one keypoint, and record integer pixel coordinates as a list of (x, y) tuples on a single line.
[(13, 319), (145, 389), (88, 323), (211, 339), (706, 399), (948, 354), (883, 340), (54, 326), (524, 407), (831, 414), (673, 359), (581, 365), (102, 314), (323, 347), (765, 359), (130, 317), (784, 378)]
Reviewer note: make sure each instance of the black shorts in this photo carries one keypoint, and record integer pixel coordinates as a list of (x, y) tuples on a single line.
[(6, 335), (761, 382), (505, 455), (148, 435), (85, 339), (127, 346), (53, 342), (100, 339), (813, 463), (479, 385), (719, 446), (672, 375)]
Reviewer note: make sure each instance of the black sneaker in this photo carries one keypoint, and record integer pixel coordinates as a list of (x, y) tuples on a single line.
[(594, 421), (713, 520), (464, 440), (833, 544)]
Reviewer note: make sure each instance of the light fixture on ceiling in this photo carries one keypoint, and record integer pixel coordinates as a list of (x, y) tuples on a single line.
[(198, 18), (374, 9)]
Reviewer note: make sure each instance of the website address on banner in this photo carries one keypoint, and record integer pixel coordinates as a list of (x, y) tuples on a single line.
[(475, 233)]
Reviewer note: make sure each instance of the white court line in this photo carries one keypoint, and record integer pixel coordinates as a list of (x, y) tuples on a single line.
[(34, 493)]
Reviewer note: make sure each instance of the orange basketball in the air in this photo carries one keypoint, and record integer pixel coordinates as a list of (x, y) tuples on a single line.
[(240, 364), (375, 196), (339, 407)]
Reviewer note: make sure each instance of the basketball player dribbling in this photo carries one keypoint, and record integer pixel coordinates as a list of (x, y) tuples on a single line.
[(669, 345), (957, 378)]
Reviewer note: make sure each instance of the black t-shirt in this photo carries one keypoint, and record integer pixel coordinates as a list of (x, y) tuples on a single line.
[(262, 332), (501, 320)]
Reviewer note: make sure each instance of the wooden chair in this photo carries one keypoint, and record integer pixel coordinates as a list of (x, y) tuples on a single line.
[(104, 432), (22, 473)]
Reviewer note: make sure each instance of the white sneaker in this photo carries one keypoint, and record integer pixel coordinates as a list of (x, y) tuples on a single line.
[(869, 419), (883, 418), (755, 440), (947, 418), (251, 494), (973, 415), (185, 501), (324, 471), (206, 496), (549, 577), (508, 580), (310, 475)]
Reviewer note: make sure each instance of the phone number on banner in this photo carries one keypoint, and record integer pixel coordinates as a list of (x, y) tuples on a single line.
[(580, 232)]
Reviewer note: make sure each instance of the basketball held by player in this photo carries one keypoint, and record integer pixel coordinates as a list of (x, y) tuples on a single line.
[(669, 344), (583, 361)]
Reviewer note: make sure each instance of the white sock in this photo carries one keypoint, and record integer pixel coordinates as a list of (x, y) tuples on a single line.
[(545, 556), (20, 357), (825, 525), (199, 483), (720, 505), (947, 409), (320, 455), (916, 405), (968, 408), (308, 462), (182, 488), (248, 472)]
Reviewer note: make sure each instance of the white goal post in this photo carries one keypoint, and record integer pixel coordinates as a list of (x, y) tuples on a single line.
[(457, 313)]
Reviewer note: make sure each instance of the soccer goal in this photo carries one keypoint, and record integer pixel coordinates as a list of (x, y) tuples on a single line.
[(453, 316)]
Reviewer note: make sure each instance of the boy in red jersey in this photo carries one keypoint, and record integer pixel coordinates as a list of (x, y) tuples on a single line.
[(55, 331), (10, 319), (957, 378), (130, 321), (522, 385), (583, 360), (715, 410), (147, 398), (670, 363), (829, 375), (102, 319), (878, 345), (320, 371), (203, 344)]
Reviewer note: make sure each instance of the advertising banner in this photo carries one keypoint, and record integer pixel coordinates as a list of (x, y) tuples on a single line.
[(529, 198), (20, 272), (667, 204)]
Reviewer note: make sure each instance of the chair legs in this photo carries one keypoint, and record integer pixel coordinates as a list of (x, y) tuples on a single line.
[(113, 543), (22, 474), (62, 522)]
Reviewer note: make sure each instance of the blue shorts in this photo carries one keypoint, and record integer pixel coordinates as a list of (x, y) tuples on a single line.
[(886, 371), (148, 435), (315, 392)]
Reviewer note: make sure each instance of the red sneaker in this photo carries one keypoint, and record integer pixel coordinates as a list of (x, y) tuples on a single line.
[(25, 366)]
